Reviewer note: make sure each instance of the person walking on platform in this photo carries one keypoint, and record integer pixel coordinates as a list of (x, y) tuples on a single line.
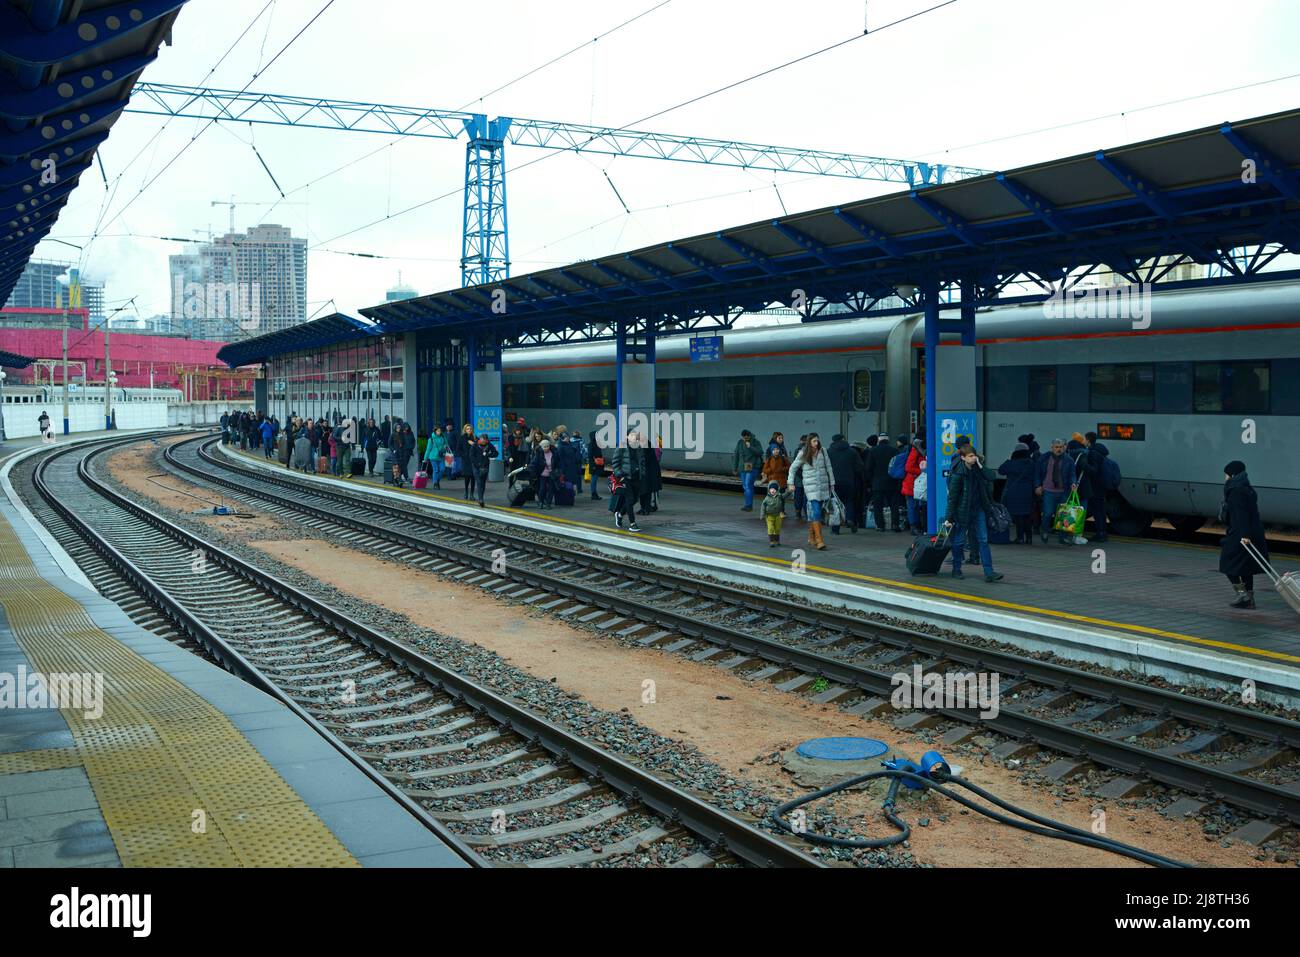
[(813, 467), (653, 483), (268, 432), (1055, 480), (433, 453), (777, 465), (747, 461), (1240, 513), (302, 451), (372, 440), (774, 511), (1018, 493), (1095, 466), (850, 476), (627, 465), (597, 457), (970, 497), (545, 466), (481, 455), (225, 427), (884, 488)]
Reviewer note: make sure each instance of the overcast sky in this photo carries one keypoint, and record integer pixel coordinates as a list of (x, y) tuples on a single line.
[(966, 84)]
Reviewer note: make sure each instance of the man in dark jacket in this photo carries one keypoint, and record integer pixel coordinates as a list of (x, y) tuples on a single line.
[(850, 478), (481, 454), (746, 463), (627, 465), (884, 489), (1053, 484), (970, 497), (1095, 467), (386, 432), (1240, 513)]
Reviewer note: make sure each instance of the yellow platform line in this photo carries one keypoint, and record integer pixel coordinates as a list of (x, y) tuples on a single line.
[(854, 576), (177, 783)]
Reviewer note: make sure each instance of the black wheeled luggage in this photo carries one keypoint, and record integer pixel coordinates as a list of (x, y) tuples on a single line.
[(927, 553)]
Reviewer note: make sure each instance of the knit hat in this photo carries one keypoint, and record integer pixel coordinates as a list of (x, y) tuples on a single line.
[(1235, 467), (902, 439), (1020, 447), (774, 484)]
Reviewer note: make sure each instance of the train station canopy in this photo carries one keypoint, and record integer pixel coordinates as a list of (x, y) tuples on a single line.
[(1194, 196), (12, 360), (66, 72)]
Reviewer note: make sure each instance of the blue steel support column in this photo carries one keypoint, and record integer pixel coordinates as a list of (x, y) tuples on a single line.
[(933, 469), (485, 247)]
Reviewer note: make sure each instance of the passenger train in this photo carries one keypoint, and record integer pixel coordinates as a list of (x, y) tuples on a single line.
[(1212, 376), (46, 396)]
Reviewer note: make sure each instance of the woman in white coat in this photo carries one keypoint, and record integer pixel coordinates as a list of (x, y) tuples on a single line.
[(814, 468)]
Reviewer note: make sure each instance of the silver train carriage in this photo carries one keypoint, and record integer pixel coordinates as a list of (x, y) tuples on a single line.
[(1207, 376)]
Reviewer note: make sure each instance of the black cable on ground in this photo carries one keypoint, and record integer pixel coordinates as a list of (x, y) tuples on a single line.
[(1049, 828)]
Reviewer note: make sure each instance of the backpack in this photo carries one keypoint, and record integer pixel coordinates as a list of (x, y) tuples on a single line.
[(921, 486), (898, 465), (1110, 474)]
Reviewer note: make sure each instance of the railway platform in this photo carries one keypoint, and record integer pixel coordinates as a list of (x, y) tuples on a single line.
[(1133, 604), (155, 757)]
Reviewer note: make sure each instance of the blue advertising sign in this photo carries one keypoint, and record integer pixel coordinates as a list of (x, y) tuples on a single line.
[(951, 425), (706, 349), (487, 418)]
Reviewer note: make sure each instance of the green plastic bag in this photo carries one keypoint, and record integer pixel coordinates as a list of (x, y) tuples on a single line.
[(1070, 515)]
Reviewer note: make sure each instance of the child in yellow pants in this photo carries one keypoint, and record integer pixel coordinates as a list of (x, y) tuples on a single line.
[(774, 512)]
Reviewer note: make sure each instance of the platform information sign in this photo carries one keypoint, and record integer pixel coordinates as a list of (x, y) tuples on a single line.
[(487, 418), (706, 349)]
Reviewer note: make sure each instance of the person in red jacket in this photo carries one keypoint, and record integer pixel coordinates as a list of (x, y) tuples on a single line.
[(912, 469)]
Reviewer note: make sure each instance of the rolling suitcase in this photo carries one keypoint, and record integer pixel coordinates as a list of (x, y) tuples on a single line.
[(519, 488), (421, 480), (1287, 585), (926, 554), (358, 465)]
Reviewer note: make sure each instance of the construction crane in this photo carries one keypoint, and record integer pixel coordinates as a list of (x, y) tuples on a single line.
[(232, 204), (485, 248)]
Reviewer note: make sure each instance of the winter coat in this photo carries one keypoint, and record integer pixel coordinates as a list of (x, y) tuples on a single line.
[(1078, 453), (1066, 464), (775, 504), (267, 431), (969, 489), (1242, 506), (537, 463), (435, 447), (654, 476), (1018, 493), (301, 451), (628, 464), (747, 457), (846, 466), (373, 438), (385, 431), (913, 469), (881, 456), (777, 467), (1095, 466), (594, 451), (481, 456), (570, 462), (816, 476)]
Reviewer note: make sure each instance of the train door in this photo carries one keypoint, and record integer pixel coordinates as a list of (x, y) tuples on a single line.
[(863, 402)]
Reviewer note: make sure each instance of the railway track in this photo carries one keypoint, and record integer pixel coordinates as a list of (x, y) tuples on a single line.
[(1245, 758), (496, 782)]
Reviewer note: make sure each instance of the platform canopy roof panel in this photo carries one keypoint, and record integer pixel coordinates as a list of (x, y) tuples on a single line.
[(67, 68), (304, 337), (1197, 194), (12, 360)]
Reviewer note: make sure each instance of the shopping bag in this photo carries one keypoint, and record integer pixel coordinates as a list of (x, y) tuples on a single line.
[(1070, 515), (834, 510)]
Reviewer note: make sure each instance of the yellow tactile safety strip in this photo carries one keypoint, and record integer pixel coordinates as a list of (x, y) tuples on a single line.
[(177, 783), (872, 580)]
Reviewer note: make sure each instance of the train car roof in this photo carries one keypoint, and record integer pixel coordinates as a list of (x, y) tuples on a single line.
[(1229, 309)]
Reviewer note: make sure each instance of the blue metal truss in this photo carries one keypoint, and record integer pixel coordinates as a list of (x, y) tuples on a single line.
[(484, 247)]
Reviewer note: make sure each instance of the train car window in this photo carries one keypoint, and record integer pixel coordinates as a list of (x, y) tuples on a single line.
[(862, 389), (1122, 388), (1234, 387), (738, 392), (597, 395), (661, 394), (537, 395), (1042, 389), (510, 394), (695, 394)]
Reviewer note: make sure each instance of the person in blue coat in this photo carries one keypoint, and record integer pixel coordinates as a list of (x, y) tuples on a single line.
[(1018, 493)]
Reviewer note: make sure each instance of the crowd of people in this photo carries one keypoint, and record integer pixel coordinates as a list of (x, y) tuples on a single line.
[(881, 483)]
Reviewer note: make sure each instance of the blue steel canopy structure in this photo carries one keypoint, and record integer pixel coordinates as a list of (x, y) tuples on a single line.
[(1226, 195), (485, 251), (67, 68)]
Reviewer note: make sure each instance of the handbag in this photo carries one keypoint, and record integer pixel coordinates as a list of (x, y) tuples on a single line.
[(1070, 515), (834, 509), (599, 460), (449, 459)]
